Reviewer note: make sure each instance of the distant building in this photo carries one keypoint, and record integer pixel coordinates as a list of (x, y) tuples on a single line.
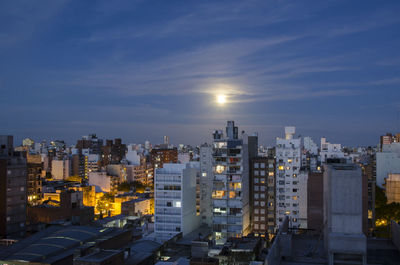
[(140, 206), (159, 156), (60, 169), (329, 150), (13, 190), (34, 185), (62, 206), (113, 152), (28, 142), (175, 200), (344, 240), (104, 181)]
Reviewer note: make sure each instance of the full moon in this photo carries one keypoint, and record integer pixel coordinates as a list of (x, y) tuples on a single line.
[(221, 99)]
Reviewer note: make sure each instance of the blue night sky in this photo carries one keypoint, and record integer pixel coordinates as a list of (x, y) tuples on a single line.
[(143, 69)]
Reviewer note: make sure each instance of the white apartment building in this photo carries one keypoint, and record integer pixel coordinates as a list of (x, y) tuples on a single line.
[(230, 194), (206, 182), (288, 162), (175, 200), (329, 150)]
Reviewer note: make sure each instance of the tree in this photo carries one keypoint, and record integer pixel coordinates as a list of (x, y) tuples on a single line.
[(380, 197), (105, 202)]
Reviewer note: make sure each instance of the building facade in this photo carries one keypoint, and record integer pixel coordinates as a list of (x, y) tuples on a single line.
[(13, 190), (230, 194), (288, 162), (262, 174), (175, 200)]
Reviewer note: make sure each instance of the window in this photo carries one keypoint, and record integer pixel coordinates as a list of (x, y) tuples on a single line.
[(255, 195), (256, 165), (256, 211), (255, 226), (262, 165), (294, 190), (281, 168), (256, 218), (262, 203), (256, 188), (262, 211), (256, 203), (256, 173), (204, 174), (262, 172), (255, 180), (295, 198), (178, 204), (271, 174)]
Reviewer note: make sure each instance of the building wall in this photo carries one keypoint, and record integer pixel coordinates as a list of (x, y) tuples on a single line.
[(231, 206), (101, 180), (175, 200), (393, 188), (315, 201), (206, 177), (288, 160), (262, 175), (60, 169), (13, 199), (386, 162)]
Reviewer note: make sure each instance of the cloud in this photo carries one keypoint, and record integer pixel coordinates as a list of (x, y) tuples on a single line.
[(23, 19)]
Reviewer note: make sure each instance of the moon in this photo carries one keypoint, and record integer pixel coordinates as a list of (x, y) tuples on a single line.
[(221, 99)]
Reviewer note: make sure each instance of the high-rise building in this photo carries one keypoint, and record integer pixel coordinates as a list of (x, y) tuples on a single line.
[(34, 185), (206, 182), (13, 190), (262, 175), (175, 200), (344, 240), (230, 195), (288, 162)]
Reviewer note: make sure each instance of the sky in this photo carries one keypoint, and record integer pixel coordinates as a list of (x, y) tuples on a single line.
[(139, 70)]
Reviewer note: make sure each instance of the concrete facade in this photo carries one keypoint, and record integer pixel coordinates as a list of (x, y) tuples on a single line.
[(175, 200), (343, 214), (230, 195)]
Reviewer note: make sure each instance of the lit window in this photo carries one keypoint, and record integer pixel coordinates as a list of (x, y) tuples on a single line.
[(295, 198), (219, 169), (287, 212), (204, 174), (271, 174), (290, 160), (281, 167), (178, 204)]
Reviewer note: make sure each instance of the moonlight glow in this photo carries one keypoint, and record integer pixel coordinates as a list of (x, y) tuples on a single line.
[(221, 99)]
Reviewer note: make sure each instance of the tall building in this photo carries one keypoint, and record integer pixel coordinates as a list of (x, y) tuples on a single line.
[(230, 195), (91, 142), (13, 182), (393, 188), (288, 161), (159, 156), (175, 200), (344, 240), (34, 184), (262, 175), (206, 182)]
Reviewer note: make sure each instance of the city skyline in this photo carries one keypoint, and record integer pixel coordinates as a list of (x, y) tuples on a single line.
[(141, 70)]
